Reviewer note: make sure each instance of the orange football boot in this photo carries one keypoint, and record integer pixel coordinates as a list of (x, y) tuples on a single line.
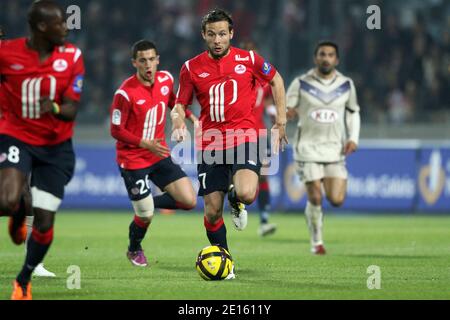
[(21, 293)]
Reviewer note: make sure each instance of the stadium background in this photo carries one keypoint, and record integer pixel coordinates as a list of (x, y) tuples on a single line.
[(401, 72)]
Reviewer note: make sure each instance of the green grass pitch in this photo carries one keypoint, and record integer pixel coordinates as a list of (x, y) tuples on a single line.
[(413, 253)]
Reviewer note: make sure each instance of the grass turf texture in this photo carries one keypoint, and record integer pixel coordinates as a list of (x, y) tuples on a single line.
[(412, 252)]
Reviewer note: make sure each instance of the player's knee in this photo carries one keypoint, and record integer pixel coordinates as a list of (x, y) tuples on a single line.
[(336, 201), (144, 208), (213, 213), (315, 199), (190, 203), (246, 195)]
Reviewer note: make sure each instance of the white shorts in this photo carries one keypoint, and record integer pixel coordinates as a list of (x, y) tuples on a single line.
[(313, 171)]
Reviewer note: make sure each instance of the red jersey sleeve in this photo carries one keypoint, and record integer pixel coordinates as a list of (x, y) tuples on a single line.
[(262, 69), (120, 109), (172, 100), (73, 91), (186, 87)]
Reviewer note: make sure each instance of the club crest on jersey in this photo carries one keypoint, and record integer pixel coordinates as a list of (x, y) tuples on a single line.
[(165, 90), (240, 69), (78, 84), (116, 117), (60, 65), (324, 116), (266, 68)]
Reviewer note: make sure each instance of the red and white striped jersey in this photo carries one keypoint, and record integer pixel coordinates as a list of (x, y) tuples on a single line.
[(226, 91), (25, 80), (139, 112)]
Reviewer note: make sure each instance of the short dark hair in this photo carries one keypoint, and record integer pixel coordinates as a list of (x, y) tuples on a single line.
[(142, 45), (217, 15), (39, 12), (326, 43)]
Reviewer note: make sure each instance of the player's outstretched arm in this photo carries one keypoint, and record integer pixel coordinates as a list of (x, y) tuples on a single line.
[(279, 128), (178, 126), (67, 111)]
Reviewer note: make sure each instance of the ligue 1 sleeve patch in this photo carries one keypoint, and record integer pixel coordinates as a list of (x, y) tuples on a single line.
[(266, 68), (116, 117), (78, 84)]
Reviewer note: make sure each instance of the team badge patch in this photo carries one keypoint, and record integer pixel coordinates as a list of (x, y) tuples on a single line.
[(60, 65), (266, 68), (165, 90), (78, 84), (240, 69), (116, 117)]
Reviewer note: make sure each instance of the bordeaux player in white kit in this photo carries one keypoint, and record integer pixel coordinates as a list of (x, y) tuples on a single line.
[(328, 130)]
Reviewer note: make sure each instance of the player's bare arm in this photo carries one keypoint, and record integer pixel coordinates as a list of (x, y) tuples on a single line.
[(67, 111), (279, 97), (178, 125)]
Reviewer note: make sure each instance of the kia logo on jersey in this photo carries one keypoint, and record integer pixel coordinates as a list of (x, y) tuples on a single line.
[(60, 65), (324, 116), (240, 69), (165, 90)]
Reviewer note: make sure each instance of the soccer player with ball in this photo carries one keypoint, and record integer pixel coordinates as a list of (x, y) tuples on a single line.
[(223, 79)]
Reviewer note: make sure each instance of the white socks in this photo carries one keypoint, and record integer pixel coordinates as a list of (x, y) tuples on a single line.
[(314, 219)]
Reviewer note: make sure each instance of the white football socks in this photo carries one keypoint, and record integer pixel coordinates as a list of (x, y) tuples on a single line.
[(314, 219)]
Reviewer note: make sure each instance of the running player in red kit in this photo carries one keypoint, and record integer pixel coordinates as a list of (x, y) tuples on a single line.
[(42, 82), (17, 230), (224, 79), (138, 118)]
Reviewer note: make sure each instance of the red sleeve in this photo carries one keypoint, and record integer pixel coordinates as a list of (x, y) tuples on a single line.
[(172, 99), (73, 91), (120, 109), (186, 87), (262, 69)]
